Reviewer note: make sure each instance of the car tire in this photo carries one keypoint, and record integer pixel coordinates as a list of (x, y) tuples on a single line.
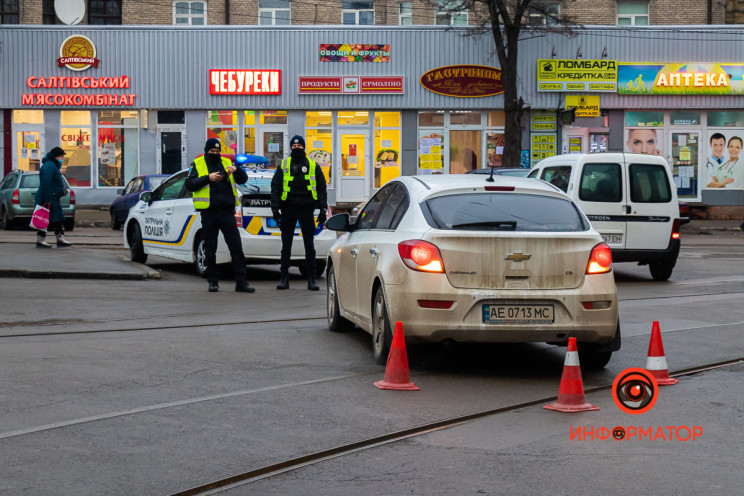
[(382, 334), (7, 223), (200, 257), (661, 271), (136, 248), (595, 357), (69, 224), (320, 266), (336, 323), (115, 224)]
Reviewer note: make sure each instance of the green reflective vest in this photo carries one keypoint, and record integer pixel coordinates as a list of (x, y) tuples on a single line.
[(201, 196), (310, 177)]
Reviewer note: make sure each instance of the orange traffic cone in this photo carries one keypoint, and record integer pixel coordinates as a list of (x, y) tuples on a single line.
[(656, 362), (396, 370), (571, 391)]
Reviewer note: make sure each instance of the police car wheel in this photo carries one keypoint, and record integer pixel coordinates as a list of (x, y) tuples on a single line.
[(136, 248), (200, 257), (382, 334), (320, 266)]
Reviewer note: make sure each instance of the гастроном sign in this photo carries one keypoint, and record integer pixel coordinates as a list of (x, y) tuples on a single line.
[(465, 81)]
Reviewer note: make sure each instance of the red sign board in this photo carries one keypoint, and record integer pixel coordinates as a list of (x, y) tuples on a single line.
[(349, 85), (466, 81), (245, 82)]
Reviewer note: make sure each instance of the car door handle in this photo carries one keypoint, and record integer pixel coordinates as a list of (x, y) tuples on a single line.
[(354, 252), (374, 251), (168, 211)]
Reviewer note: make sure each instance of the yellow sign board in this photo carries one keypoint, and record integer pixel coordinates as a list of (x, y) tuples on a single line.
[(543, 120), (585, 105), (576, 75)]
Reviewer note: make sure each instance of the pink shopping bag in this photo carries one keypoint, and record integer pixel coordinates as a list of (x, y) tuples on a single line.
[(40, 219)]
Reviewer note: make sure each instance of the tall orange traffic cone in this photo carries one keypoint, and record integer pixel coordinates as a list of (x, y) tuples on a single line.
[(656, 362), (571, 391), (396, 370)]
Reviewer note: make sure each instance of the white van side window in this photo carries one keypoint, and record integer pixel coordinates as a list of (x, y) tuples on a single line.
[(649, 184), (557, 176), (601, 183)]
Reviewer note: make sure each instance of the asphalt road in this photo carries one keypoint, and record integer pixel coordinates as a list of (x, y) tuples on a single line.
[(153, 386)]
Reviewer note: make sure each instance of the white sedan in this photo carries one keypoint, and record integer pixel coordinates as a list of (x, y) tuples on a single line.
[(464, 259), (165, 223)]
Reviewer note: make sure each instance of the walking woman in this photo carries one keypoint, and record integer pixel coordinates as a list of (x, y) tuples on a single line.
[(51, 189)]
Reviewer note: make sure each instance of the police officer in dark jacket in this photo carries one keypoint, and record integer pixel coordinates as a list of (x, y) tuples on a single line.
[(212, 181), (297, 189)]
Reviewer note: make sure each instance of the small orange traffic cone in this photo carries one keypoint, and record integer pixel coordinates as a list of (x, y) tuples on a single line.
[(656, 362), (571, 391), (396, 370)]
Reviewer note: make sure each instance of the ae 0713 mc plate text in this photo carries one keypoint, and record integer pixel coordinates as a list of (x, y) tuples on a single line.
[(518, 314)]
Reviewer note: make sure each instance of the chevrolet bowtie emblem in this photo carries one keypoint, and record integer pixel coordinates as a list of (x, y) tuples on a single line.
[(517, 257)]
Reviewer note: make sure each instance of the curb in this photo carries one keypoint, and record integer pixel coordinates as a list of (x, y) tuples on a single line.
[(48, 274), (151, 273)]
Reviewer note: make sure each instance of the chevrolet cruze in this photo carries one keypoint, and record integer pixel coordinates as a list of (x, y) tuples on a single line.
[(461, 258)]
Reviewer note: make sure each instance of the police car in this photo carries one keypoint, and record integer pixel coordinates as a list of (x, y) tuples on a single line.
[(165, 223)]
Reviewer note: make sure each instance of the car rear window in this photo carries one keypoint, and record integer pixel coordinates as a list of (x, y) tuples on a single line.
[(30, 181), (649, 183), (503, 212)]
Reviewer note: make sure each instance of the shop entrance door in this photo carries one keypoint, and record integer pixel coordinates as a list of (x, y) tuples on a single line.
[(28, 147), (685, 159), (273, 145), (354, 173), (171, 142)]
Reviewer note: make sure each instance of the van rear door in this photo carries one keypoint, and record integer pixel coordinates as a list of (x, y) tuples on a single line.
[(652, 204), (601, 196)]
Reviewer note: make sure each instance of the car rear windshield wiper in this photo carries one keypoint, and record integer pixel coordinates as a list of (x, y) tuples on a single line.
[(501, 225)]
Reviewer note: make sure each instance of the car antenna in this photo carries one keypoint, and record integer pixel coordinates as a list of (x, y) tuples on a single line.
[(490, 178)]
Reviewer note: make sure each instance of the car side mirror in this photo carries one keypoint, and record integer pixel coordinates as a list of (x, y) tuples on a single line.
[(119, 191), (146, 197), (338, 222)]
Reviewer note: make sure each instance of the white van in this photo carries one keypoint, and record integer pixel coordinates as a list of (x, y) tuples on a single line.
[(629, 198)]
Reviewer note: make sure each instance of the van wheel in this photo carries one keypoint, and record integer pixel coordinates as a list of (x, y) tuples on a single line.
[(336, 323), (382, 334), (136, 248), (200, 257), (661, 271)]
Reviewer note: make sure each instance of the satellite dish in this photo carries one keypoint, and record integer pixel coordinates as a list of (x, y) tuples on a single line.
[(70, 11)]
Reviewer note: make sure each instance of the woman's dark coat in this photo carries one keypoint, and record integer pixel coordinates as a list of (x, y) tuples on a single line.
[(51, 188)]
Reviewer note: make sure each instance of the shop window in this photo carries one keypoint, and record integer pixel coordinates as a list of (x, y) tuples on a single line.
[(726, 119), (387, 147), (104, 12), (428, 119), (319, 119), (644, 119), (273, 117), (465, 118), (249, 140), (464, 151), (632, 12), (349, 118), (358, 13), (684, 118), (451, 13), (223, 125), (431, 151), (496, 118), (118, 147), (189, 13), (405, 14), (171, 117), (319, 147), (273, 12), (75, 135), (9, 12), (28, 116), (495, 149)]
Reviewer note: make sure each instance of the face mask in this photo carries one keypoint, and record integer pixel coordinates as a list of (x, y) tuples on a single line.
[(297, 153)]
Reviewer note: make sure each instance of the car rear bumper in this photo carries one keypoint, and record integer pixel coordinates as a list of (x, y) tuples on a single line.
[(670, 254), (463, 321)]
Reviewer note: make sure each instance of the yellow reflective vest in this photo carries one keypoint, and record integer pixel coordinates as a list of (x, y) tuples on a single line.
[(310, 177), (201, 196)]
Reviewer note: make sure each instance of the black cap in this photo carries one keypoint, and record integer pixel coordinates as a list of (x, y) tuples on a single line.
[(211, 144), (297, 139), (56, 152)]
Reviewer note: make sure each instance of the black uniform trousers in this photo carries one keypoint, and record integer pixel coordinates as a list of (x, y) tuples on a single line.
[(290, 216), (214, 221)]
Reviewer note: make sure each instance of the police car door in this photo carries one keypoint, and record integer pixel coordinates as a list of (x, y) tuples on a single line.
[(651, 207), (164, 230), (600, 196)]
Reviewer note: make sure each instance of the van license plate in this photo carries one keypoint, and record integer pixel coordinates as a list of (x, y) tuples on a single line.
[(612, 238), (518, 314)]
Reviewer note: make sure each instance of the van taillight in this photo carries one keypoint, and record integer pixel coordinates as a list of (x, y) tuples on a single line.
[(600, 260), (421, 255), (16, 199), (675, 229), (72, 197)]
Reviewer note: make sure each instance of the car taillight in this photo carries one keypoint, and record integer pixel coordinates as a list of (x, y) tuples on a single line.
[(421, 255), (239, 217), (675, 229), (16, 199), (72, 197), (601, 260)]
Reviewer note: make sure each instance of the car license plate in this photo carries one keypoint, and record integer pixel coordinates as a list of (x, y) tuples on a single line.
[(612, 238), (518, 314)]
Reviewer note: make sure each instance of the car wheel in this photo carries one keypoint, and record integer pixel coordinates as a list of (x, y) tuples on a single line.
[(595, 357), (137, 249), (115, 224), (382, 334), (70, 225), (336, 323), (200, 257), (7, 223), (661, 271)]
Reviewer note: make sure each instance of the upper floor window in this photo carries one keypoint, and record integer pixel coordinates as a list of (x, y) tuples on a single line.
[(274, 12), (9, 12), (359, 13), (189, 13), (104, 12), (543, 14), (49, 15), (451, 13), (632, 12), (405, 14)]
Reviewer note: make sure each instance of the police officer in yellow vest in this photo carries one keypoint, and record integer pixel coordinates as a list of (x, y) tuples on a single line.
[(297, 189), (212, 182)]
